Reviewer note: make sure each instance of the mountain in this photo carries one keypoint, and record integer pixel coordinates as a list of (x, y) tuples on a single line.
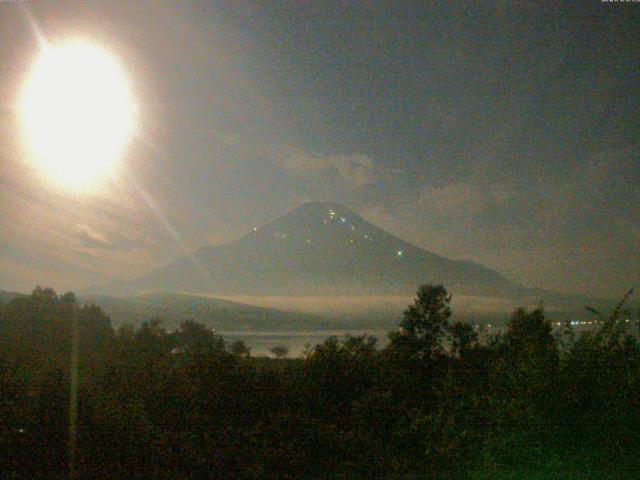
[(222, 315), (318, 249)]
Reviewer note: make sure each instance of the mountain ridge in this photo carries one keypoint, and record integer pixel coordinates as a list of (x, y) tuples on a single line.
[(221, 314), (318, 248)]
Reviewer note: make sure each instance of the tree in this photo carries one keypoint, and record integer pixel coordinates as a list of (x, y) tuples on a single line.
[(198, 339), (239, 349), (280, 351), (530, 334), (360, 345), (425, 323), (462, 337), (613, 328), (525, 367)]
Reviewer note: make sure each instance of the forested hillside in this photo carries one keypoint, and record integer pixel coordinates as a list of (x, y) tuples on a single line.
[(435, 403)]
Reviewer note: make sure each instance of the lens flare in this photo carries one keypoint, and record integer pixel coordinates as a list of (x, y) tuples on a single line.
[(77, 113)]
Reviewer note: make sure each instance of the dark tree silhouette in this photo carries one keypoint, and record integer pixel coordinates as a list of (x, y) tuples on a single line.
[(425, 324), (463, 336), (161, 404), (280, 351), (239, 349)]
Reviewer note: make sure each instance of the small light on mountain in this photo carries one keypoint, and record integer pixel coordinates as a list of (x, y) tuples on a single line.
[(343, 219), (399, 253), (255, 229)]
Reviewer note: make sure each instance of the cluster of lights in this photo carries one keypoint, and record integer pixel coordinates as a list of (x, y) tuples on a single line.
[(572, 322), (333, 216), (488, 326), (576, 322), (585, 322)]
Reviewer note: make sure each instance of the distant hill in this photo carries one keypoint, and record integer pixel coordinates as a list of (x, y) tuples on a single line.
[(222, 315), (230, 316), (6, 296), (319, 248)]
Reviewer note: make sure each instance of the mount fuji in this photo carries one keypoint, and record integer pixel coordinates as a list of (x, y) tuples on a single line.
[(320, 248)]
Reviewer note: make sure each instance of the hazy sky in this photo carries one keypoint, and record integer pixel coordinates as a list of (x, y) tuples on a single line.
[(503, 134)]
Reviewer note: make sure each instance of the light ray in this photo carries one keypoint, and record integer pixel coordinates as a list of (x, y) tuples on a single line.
[(175, 235), (42, 41)]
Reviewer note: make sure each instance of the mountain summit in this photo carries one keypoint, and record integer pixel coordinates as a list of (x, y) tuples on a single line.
[(320, 248)]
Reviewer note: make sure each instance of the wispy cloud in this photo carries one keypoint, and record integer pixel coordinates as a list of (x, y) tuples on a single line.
[(90, 238), (354, 171)]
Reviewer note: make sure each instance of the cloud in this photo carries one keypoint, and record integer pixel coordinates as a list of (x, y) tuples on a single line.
[(457, 200), (453, 200), (533, 228), (90, 238), (21, 269), (354, 170)]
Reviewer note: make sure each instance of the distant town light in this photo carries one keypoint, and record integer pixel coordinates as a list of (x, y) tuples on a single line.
[(399, 253)]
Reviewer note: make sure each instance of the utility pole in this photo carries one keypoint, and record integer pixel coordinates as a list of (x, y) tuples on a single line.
[(73, 394)]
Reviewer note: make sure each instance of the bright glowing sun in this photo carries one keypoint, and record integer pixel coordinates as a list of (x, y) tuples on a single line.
[(77, 113)]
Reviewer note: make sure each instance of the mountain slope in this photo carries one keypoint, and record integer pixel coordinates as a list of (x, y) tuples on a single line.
[(319, 248), (222, 315)]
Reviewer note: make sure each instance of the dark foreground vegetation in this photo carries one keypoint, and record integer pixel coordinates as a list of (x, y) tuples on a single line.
[(436, 403)]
